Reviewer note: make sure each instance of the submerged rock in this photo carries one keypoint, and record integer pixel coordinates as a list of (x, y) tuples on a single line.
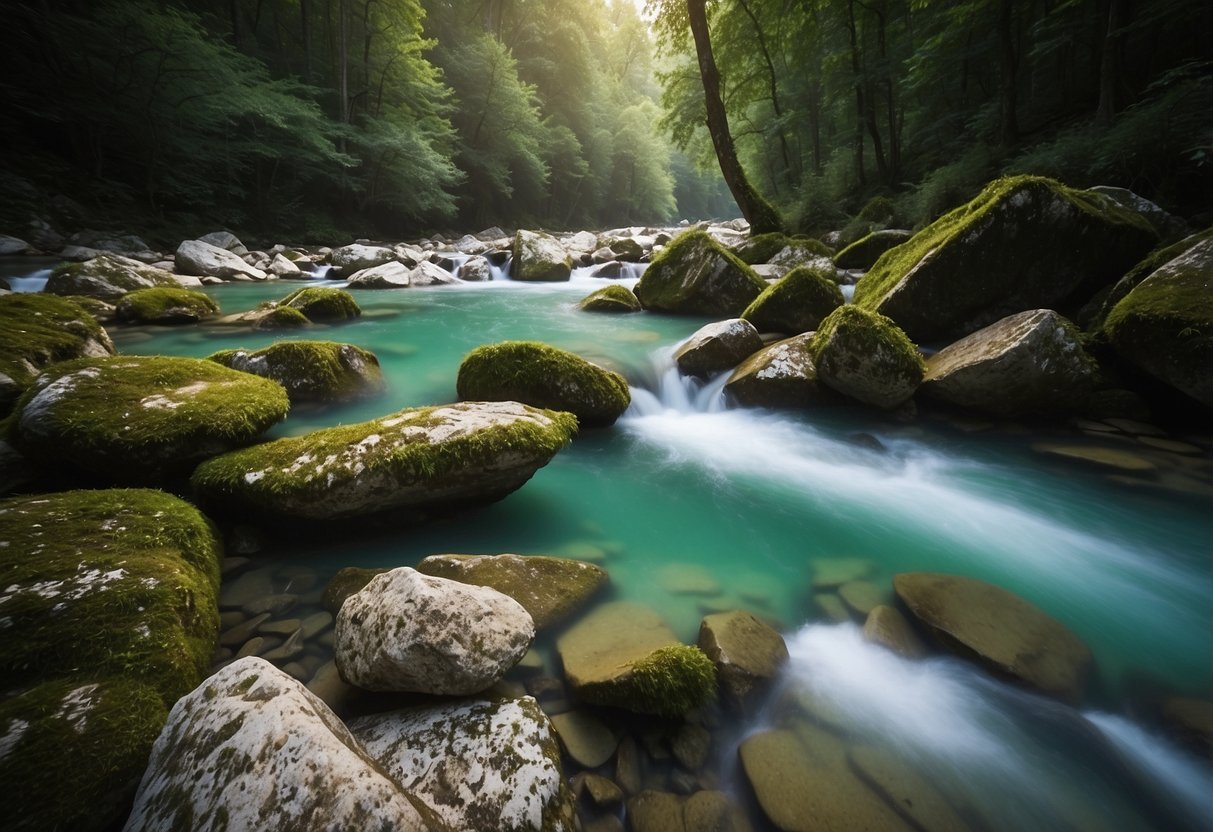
[(543, 376), (452, 455), (998, 630), (322, 304), (1031, 363), (320, 371), (550, 589), (798, 303), (781, 375), (748, 655), (540, 257), (613, 298), (409, 632), (864, 252), (137, 418), (108, 277), (251, 748), (165, 305), (201, 259), (716, 347), (866, 357), (889, 628), (695, 275), (1024, 243), (480, 766)]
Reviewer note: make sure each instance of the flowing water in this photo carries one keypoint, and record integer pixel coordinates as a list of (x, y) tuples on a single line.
[(694, 507)]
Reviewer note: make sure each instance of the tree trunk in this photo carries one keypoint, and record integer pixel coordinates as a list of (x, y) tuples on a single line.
[(234, 11), (1008, 95), (761, 215), (789, 173), (860, 109), (305, 30), (1109, 67)]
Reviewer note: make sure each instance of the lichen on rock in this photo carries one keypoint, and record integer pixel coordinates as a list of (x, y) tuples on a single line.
[(319, 371), (865, 356), (108, 277), (695, 275)]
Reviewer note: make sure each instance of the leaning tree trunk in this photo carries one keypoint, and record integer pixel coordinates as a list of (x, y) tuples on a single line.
[(761, 215), (1109, 67)]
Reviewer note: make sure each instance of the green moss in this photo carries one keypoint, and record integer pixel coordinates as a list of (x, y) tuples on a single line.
[(864, 252), (696, 275), (78, 751), (672, 681), (866, 356), (613, 298), (761, 248), (1152, 262), (37, 330), (311, 370), (543, 376), (136, 418), (108, 584), (348, 581), (283, 317), (322, 303), (797, 303), (1024, 242), (164, 305), (878, 209), (107, 277)]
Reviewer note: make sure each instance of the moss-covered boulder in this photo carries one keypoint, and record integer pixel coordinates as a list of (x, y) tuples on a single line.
[(251, 748), (480, 766), (1032, 363), (798, 303), (761, 248), (781, 375), (38, 330), (864, 252), (540, 257), (999, 630), (550, 589), (1149, 264), (543, 376), (422, 458), (322, 304), (165, 305), (803, 251), (108, 277), (279, 317), (311, 371), (716, 347), (137, 418), (73, 752), (1024, 243), (864, 356), (1164, 326), (695, 275), (613, 298), (623, 655)]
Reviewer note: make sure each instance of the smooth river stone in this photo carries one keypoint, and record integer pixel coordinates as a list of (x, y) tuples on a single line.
[(904, 789), (748, 654), (586, 739), (601, 647), (1103, 457), (688, 579), (861, 597), (890, 629), (829, 573)]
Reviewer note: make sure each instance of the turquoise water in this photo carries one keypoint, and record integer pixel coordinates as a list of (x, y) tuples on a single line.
[(695, 507)]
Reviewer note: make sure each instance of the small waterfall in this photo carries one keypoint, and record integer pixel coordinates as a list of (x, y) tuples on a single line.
[(320, 271), (501, 272), (35, 281), (674, 393)]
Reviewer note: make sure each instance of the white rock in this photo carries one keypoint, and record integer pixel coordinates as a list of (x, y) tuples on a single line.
[(415, 633), (198, 258), (390, 275), (476, 269), (429, 274), (251, 748), (349, 259), (225, 240), (483, 766), (283, 267)]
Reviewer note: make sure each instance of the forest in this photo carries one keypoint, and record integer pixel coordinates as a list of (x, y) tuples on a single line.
[(321, 119)]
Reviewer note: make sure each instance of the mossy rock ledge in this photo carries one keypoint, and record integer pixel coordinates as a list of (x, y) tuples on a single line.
[(136, 419), (695, 275), (1025, 242), (38, 330), (864, 356), (543, 376), (251, 748), (108, 277), (109, 613), (425, 458), (550, 589), (613, 298), (322, 304), (311, 371), (864, 252), (797, 303), (540, 257), (1164, 326), (165, 305), (481, 766)]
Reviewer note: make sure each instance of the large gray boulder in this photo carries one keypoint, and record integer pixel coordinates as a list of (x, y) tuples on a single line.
[(390, 275), (717, 346), (865, 357), (416, 459), (108, 277), (781, 375), (998, 630), (480, 766), (1024, 243), (1168, 226), (194, 257), (225, 240), (251, 748), (409, 632), (1030, 363), (540, 257), (695, 275), (354, 258)]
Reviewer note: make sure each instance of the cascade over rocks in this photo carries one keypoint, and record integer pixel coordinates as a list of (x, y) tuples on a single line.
[(108, 277), (414, 633), (781, 375), (251, 748), (201, 259), (543, 376), (321, 371), (716, 347), (480, 766), (1030, 363), (866, 357), (416, 459), (695, 275), (540, 257), (1024, 243), (797, 303)]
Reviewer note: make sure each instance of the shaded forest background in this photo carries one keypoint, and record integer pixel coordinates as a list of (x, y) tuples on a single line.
[(321, 120)]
